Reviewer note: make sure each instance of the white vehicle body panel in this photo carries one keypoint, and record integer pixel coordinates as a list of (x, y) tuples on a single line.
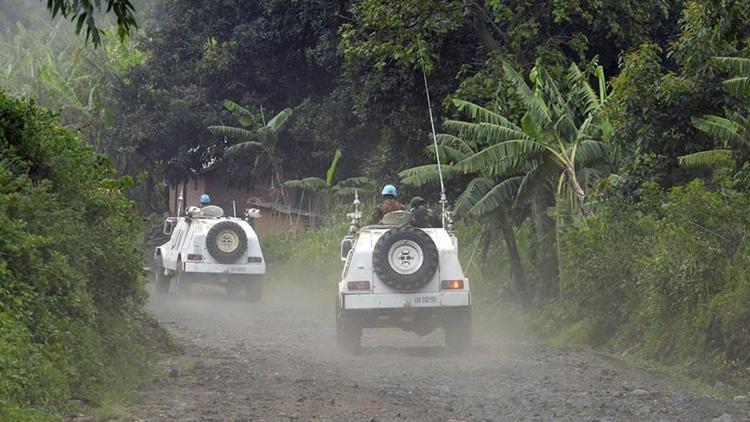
[(358, 267), (189, 237)]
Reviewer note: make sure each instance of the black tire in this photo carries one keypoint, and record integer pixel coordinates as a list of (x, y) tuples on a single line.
[(162, 281), (394, 279), (217, 234), (348, 331), (457, 327), (184, 284)]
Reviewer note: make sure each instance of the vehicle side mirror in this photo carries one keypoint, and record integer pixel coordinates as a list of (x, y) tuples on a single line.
[(346, 246), (168, 227)]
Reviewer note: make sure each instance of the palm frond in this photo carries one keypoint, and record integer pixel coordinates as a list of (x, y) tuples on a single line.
[(332, 169), (534, 104), (482, 115), (721, 128), (244, 147), (483, 133), (426, 174), (499, 158), (243, 115), (739, 85), (308, 183), (735, 65), (473, 193), (350, 190), (232, 132), (448, 154), (711, 158), (538, 178), (355, 182), (582, 91), (589, 151), (277, 123), (501, 195), (455, 142)]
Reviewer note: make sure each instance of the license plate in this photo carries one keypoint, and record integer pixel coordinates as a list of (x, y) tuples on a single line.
[(424, 300), (236, 269)]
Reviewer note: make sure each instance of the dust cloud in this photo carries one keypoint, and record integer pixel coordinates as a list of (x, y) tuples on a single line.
[(278, 360)]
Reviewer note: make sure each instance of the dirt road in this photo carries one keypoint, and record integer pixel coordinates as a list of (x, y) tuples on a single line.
[(278, 361)]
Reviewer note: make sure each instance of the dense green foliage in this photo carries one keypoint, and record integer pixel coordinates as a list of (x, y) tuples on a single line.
[(70, 269), (667, 276)]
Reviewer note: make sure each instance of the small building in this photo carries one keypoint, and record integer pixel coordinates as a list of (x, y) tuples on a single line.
[(275, 217)]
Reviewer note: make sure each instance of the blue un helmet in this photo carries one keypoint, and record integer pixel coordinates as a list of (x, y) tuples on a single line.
[(205, 199), (389, 190)]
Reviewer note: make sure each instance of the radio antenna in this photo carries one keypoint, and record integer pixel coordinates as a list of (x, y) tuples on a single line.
[(443, 198)]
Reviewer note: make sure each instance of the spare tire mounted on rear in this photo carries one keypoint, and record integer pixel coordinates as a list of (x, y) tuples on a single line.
[(226, 242), (405, 258)]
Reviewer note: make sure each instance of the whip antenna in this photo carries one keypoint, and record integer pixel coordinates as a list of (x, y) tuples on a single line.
[(443, 199)]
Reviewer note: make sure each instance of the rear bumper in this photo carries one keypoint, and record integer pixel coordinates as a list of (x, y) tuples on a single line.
[(406, 301), (227, 269)]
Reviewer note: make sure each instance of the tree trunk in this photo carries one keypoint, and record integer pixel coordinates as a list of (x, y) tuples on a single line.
[(516, 266), (544, 256), (480, 27), (577, 189)]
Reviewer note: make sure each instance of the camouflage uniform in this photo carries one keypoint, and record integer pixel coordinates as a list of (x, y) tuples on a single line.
[(389, 205)]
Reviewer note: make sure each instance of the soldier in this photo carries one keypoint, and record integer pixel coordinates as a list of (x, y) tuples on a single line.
[(205, 200), (421, 215), (389, 204)]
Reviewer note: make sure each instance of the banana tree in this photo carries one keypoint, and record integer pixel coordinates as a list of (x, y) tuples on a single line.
[(557, 136), (732, 133), (510, 164), (327, 188), (256, 139)]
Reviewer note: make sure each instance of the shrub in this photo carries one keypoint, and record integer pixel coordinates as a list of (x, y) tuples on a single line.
[(668, 275), (70, 267)]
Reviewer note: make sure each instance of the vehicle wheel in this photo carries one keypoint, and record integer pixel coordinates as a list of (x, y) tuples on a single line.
[(348, 332), (254, 290), (162, 281), (405, 258), (457, 327), (184, 286), (226, 241)]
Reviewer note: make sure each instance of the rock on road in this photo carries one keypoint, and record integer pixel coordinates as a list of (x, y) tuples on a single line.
[(277, 360)]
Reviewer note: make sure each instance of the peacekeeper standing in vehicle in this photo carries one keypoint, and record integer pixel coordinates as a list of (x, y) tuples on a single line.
[(205, 200), (389, 204), (421, 215)]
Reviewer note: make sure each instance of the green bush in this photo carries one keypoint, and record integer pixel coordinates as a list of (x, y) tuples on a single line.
[(668, 276), (71, 289)]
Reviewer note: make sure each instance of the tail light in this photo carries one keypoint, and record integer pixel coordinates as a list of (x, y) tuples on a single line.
[(452, 284), (358, 285), (194, 257), (255, 259)]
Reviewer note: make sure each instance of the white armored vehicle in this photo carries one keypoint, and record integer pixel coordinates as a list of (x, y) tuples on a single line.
[(398, 275), (207, 247)]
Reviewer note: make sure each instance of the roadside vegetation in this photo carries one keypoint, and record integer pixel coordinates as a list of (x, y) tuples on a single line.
[(595, 153), (71, 282)]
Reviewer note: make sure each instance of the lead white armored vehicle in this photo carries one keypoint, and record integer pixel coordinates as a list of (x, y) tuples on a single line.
[(398, 275), (207, 247)]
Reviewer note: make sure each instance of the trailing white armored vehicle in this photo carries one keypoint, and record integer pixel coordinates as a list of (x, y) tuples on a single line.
[(207, 247), (398, 275)]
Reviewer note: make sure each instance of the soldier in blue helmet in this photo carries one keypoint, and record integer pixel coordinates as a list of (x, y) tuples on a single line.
[(205, 200), (389, 204)]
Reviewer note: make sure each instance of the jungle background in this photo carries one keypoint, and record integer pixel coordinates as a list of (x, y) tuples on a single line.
[(595, 153)]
